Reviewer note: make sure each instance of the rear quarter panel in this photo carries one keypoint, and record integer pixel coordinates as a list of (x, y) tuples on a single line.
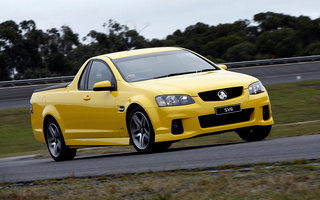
[(38, 104), (61, 104)]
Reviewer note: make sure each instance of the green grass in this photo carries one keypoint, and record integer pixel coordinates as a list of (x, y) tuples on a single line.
[(284, 180), (294, 102), (16, 133)]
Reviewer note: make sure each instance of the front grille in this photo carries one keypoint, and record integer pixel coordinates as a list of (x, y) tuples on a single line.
[(218, 120), (213, 94)]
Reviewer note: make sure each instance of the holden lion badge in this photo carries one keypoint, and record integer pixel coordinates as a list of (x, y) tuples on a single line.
[(222, 95)]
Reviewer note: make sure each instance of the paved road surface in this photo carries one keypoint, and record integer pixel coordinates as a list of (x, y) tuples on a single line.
[(270, 150), (285, 73)]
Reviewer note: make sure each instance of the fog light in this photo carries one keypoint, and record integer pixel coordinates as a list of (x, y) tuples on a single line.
[(176, 127), (266, 113)]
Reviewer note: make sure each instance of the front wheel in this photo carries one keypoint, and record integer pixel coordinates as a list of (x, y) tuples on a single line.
[(254, 133), (55, 143), (140, 130)]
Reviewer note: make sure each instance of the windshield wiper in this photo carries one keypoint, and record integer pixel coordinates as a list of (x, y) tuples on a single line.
[(181, 73), (206, 70), (174, 74)]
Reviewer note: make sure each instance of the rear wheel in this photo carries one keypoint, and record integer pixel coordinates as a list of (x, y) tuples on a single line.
[(254, 133), (141, 130), (55, 143)]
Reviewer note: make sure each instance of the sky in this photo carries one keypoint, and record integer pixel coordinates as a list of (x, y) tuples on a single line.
[(151, 18)]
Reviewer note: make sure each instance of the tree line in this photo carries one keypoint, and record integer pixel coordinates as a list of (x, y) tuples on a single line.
[(27, 52)]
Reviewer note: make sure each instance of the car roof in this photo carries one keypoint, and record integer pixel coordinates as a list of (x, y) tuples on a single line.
[(129, 53)]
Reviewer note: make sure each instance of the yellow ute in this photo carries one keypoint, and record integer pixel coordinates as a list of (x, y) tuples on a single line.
[(148, 98)]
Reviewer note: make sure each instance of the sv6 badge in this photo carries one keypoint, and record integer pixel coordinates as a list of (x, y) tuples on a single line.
[(228, 109)]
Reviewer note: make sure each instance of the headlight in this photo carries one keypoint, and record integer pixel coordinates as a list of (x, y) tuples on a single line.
[(256, 88), (173, 100)]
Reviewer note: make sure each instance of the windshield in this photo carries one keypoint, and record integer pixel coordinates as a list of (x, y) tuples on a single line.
[(162, 64)]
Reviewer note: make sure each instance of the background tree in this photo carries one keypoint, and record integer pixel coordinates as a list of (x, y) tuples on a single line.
[(62, 44), (27, 52), (10, 46), (240, 52), (32, 40), (272, 21)]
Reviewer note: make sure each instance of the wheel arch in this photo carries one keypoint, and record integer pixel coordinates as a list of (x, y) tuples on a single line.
[(129, 110), (147, 126), (149, 112), (50, 112), (56, 144), (46, 120)]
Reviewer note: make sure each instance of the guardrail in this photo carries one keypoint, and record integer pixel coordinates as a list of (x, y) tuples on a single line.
[(273, 61), (64, 79), (38, 81)]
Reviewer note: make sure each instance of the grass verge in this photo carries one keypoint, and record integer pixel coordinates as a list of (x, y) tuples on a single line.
[(291, 103), (285, 180)]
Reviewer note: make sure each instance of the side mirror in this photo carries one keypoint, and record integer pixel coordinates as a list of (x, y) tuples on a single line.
[(103, 86), (223, 67)]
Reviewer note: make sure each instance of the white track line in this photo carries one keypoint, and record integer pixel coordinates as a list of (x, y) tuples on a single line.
[(298, 123)]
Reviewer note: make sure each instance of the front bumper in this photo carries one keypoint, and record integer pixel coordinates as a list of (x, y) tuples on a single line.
[(200, 118)]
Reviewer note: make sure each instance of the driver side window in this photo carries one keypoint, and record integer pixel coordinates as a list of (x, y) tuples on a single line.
[(96, 72)]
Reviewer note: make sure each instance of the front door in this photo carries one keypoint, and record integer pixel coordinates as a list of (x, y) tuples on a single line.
[(99, 110)]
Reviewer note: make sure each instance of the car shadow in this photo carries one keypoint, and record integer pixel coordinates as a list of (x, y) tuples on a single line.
[(172, 149)]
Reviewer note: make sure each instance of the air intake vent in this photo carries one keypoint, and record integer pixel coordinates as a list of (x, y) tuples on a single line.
[(228, 93), (219, 120)]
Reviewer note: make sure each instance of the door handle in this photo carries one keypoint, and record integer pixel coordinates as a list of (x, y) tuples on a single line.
[(87, 98)]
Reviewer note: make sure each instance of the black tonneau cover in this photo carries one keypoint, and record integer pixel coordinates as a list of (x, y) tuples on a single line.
[(62, 85)]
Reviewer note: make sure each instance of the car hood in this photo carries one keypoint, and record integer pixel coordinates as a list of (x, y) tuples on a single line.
[(194, 83)]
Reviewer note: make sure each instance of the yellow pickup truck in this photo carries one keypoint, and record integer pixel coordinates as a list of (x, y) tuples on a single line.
[(148, 98)]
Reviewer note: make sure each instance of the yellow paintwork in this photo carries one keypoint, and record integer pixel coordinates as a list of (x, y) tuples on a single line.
[(102, 84), (223, 66), (87, 119)]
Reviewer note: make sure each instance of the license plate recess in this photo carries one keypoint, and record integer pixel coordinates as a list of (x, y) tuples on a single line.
[(228, 109)]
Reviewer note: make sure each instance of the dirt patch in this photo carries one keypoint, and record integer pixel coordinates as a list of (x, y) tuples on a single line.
[(317, 87)]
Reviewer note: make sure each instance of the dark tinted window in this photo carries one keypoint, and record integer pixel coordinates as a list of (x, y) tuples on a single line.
[(95, 71), (83, 79), (98, 72)]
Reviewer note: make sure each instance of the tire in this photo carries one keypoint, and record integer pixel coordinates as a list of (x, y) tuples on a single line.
[(55, 143), (140, 130), (256, 133)]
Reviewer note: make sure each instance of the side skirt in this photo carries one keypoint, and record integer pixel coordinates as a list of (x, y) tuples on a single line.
[(72, 143)]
